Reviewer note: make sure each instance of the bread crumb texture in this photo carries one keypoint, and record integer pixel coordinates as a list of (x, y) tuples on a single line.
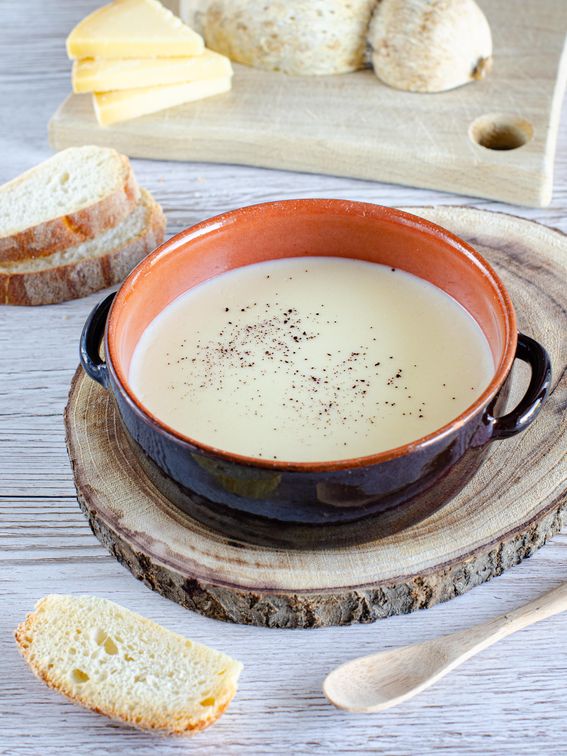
[(122, 665)]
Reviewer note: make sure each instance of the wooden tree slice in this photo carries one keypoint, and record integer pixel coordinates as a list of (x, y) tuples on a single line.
[(511, 507)]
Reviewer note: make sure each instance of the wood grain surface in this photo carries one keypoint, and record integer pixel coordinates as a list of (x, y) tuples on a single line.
[(511, 507), (353, 125), (509, 700)]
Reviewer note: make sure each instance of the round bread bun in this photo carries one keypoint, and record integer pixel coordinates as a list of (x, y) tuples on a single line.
[(301, 37)]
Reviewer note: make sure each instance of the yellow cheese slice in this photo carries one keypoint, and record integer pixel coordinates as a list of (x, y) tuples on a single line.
[(98, 75), (112, 107), (133, 29)]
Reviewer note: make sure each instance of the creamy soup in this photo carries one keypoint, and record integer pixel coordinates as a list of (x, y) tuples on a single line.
[(311, 359)]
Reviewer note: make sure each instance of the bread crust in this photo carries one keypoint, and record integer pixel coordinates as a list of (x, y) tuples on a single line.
[(83, 277), (184, 722), (68, 230)]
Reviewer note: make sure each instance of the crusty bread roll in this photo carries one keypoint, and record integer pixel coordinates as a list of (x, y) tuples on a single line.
[(429, 45), (293, 36)]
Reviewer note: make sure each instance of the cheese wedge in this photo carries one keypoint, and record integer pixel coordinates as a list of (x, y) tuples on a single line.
[(133, 29), (112, 107), (97, 75)]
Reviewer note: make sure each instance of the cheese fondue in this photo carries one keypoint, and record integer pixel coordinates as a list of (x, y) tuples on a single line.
[(311, 359)]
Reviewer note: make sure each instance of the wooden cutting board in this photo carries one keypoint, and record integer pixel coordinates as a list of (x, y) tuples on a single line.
[(510, 508), (352, 125)]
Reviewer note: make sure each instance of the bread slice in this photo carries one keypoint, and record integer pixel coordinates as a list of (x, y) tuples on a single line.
[(122, 665), (75, 195), (86, 267)]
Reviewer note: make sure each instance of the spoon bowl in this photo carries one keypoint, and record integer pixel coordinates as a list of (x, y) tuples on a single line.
[(378, 682)]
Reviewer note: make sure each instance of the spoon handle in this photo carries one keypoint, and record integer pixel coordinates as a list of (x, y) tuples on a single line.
[(550, 603), (477, 638)]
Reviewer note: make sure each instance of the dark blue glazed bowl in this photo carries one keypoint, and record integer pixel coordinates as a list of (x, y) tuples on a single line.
[(305, 504)]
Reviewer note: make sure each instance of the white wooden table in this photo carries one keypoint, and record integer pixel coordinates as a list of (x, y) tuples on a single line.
[(511, 699)]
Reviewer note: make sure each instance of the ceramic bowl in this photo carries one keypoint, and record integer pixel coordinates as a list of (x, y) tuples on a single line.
[(310, 503)]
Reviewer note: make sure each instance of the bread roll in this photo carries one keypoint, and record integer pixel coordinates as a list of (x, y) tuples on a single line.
[(429, 45), (302, 37)]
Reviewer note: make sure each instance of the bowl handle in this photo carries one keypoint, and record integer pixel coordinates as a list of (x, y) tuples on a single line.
[(530, 351), (91, 338)]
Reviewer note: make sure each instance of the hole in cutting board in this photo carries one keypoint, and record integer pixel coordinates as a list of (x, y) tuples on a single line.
[(498, 131)]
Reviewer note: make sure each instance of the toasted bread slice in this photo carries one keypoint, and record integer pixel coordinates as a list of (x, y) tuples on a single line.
[(117, 663), (81, 269), (75, 195)]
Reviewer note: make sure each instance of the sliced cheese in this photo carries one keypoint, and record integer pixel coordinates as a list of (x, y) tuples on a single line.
[(97, 75), (112, 107), (133, 29)]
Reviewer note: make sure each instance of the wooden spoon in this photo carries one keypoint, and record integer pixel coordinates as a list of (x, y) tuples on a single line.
[(377, 682)]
